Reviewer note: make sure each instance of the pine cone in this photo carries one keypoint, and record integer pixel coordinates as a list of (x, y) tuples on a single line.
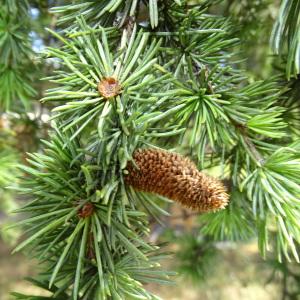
[(175, 177)]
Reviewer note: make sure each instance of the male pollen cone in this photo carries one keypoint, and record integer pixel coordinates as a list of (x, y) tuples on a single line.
[(175, 177)]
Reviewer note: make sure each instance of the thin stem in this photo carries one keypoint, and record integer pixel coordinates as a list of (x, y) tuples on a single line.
[(284, 288), (255, 154), (259, 158)]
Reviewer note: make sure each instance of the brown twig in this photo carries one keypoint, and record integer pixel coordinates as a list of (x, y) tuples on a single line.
[(242, 129)]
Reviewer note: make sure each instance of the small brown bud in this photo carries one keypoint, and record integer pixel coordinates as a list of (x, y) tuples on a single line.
[(109, 87), (86, 211), (175, 177)]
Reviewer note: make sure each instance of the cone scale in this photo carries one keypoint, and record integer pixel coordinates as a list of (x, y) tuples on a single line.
[(176, 177)]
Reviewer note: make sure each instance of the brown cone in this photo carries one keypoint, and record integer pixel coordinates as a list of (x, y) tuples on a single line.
[(175, 177)]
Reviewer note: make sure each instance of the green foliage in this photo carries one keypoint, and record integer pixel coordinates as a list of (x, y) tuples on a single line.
[(104, 12), (16, 56), (7, 167), (249, 15), (285, 36), (89, 59), (291, 104), (16, 85), (9, 159), (274, 190), (196, 257), (235, 223), (180, 87), (86, 255)]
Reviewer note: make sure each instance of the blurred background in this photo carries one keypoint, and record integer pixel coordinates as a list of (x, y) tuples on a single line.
[(223, 265), (229, 271)]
